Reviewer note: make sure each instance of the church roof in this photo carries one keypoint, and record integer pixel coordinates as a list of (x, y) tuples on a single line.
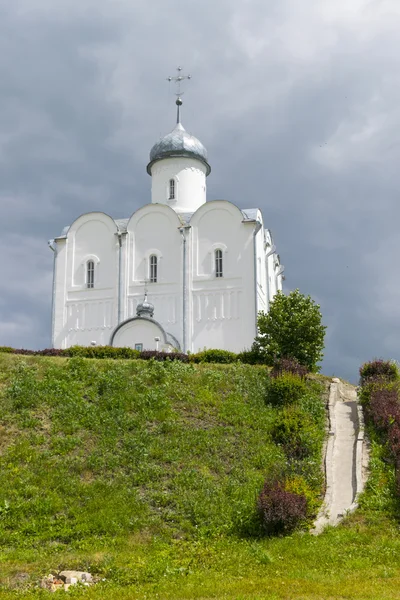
[(249, 214), (178, 143), (122, 224)]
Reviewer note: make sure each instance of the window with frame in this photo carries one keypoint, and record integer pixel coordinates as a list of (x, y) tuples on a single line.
[(153, 268), (90, 274), (139, 347), (172, 189), (218, 264)]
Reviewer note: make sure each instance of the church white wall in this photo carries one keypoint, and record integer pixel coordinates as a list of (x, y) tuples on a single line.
[(261, 267), (59, 296), (223, 308), (190, 183), (221, 312), (154, 230), (88, 315)]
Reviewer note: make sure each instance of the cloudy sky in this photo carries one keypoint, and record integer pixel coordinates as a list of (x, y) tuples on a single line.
[(298, 104)]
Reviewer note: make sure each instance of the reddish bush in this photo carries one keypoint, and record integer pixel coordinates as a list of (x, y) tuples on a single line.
[(380, 397), (378, 368), (102, 352), (280, 511), (288, 365), (161, 356), (394, 442), (384, 408)]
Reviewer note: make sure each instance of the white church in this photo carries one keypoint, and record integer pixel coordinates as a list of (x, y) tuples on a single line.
[(181, 273)]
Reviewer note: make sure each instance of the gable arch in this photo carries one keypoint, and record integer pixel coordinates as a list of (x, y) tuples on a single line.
[(216, 205), (153, 230), (93, 236), (126, 335), (99, 216), (152, 209), (217, 225)]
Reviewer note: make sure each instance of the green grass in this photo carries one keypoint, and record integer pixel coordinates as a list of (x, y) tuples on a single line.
[(147, 473)]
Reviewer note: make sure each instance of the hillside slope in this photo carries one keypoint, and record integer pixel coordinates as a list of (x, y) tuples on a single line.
[(101, 448), (147, 473)]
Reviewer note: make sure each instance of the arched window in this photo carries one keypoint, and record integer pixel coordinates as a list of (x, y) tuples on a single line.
[(218, 263), (172, 189), (90, 274), (153, 269)]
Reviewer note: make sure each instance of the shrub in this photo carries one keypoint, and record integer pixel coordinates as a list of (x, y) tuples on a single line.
[(296, 433), (394, 441), (378, 368), (280, 510), (288, 365), (285, 389), (101, 352), (369, 386), (105, 352), (384, 408), (298, 485), (251, 357), (6, 349), (214, 356), (163, 356), (292, 327), (379, 394)]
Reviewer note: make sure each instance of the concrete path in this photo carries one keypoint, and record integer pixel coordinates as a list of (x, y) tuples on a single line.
[(345, 455)]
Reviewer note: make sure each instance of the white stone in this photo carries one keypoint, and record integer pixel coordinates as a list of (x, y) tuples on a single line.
[(72, 577)]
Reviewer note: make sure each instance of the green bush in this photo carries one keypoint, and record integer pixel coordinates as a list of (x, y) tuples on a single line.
[(6, 349), (292, 328), (251, 357), (214, 356), (101, 352), (296, 432), (296, 484), (285, 389)]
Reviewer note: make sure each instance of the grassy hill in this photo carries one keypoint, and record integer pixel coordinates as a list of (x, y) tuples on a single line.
[(147, 474)]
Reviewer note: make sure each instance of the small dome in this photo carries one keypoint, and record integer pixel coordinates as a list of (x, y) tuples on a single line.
[(178, 143), (145, 309)]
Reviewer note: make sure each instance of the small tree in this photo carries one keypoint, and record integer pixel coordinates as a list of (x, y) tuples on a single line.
[(291, 329)]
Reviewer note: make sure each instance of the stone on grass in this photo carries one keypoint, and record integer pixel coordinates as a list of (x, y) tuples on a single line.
[(77, 576)]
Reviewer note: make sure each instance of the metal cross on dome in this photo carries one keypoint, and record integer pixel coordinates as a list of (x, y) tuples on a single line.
[(177, 80)]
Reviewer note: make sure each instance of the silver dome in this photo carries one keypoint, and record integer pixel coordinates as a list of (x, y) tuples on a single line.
[(145, 308), (178, 143)]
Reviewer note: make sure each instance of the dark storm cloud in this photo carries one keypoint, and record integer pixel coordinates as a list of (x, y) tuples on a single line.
[(297, 105)]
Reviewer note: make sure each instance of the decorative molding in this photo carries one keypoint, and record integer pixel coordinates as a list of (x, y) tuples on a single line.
[(90, 257), (90, 315), (217, 306), (218, 246)]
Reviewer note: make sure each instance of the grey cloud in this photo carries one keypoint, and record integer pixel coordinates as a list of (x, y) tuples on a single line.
[(297, 106)]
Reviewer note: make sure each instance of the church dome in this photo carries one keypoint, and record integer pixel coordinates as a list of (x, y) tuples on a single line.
[(178, 143), (145, 308)]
